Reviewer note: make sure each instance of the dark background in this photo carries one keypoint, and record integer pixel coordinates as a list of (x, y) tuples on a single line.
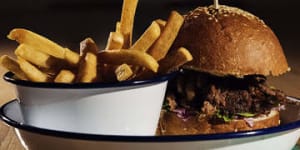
[(70, 21)]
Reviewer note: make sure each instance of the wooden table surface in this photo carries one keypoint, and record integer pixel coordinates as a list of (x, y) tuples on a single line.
[(290, 83)]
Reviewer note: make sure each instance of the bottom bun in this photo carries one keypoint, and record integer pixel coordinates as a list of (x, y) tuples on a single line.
[(170, 124)]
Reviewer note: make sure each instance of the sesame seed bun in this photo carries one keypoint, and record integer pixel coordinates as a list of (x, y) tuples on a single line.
[(230, 41)]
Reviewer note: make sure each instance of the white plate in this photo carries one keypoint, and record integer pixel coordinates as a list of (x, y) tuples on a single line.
[(283, 137)]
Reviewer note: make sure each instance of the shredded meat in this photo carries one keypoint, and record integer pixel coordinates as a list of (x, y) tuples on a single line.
[(227, 95), (171, 101), (208, 108)]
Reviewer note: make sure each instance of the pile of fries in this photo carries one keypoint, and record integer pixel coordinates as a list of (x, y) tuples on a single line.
[(42, 60)]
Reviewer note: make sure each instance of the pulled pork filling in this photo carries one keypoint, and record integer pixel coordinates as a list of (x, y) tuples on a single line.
[(223, 97)]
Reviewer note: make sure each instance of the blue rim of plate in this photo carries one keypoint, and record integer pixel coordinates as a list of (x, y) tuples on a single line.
[(157, 79), (115, 138)]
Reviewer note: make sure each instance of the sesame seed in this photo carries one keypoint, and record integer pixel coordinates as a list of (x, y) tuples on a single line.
[(223, 10)]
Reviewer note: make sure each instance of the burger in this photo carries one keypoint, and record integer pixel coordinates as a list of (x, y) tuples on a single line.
[(224, 88)]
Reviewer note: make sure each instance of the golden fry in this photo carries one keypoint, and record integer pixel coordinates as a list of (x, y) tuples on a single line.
[(88, 64), (106, 72), (148, 38), (13, 66), (88, 71), (118, 24), (144, 74), (167, 37), (32, 73), (51, 72), (161, 23), (35, 57), (123, 72), (37, 41), (71, 57), (115, 41), (88, 45), (131, 57), (64, 76), (174, 60), (127, 20), (43, 44)]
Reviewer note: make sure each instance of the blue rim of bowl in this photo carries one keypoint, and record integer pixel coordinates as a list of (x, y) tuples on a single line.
[(8, 77), (115, 138)]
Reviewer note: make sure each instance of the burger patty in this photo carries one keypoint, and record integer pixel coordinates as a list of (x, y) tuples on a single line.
[(256, 99), (225, 96)]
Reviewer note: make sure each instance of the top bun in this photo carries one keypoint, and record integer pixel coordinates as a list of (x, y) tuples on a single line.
[(230, 41)]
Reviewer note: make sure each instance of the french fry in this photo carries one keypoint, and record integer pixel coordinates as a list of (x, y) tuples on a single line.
[(51, 72), (71, 57), (64, 76), (35, 57), (118, 24), (123, 72), (148, 38), (174, 60), (127, 20), (107, 72), (32, 73), (37, 41), (167, 37), (115, 41), (120, 60), (88, 73), (88, 64), (43, 44), (161, 23), (130, 57), (13, 66), (88, 45), (144, 74)]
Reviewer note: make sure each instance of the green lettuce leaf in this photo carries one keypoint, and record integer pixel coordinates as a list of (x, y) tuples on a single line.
[(246, 114), (225, 118)]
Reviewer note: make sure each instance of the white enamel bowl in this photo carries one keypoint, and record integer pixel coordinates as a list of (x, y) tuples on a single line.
[(123, 108), (283, 137)]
